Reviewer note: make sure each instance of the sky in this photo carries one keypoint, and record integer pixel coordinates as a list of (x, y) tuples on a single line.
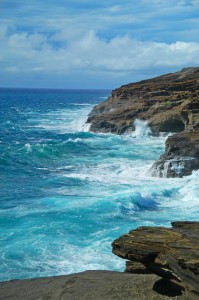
[(99, 44)]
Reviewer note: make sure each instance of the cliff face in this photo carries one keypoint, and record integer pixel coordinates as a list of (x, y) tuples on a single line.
[(170, 103)]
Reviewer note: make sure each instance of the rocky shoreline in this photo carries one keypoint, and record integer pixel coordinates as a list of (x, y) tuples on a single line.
[(162, 263), (169, 103)]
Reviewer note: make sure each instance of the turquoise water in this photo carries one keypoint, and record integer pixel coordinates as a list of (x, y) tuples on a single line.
[(66, 193)]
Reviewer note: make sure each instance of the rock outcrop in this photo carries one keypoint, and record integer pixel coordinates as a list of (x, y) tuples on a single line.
[(172, 253), (170, 103), (92, 285), (181, 156)]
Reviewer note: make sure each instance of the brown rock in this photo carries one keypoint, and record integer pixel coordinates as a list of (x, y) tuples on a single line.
[(170, 103), (173, 253)]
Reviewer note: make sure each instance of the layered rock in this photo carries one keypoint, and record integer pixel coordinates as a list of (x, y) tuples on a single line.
[(170, 103), (181, 156), (172, 253)]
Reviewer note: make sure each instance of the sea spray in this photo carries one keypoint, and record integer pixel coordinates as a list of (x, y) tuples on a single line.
[(86, 127), (142, 128), (175, 165)]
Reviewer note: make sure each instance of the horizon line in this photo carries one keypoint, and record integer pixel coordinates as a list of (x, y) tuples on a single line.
[(63, 89)]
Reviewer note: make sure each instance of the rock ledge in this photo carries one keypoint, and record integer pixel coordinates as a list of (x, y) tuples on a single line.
[(172, 253)]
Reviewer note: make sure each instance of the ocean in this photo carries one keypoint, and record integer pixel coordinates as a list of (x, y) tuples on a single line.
[(66, 193)]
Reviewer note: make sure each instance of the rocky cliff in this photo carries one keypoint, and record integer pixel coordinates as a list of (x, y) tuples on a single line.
[(170, 103), (172, 253)]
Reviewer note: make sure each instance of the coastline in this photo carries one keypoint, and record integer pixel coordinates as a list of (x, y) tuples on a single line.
[(168, 103), (141, 283), (162, 264)]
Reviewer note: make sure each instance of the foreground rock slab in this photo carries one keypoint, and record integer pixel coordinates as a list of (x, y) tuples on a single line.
[(173, 253), (93, 285)]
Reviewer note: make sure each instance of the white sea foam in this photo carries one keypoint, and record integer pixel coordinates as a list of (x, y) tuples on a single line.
[(190, 189), (185, 200), (176, 164), (96, 256), (82, 104), (91, 198), (86, 127), (28, 147), (44, 169), (63, 121), (165, 169), (121, 172), (141, 128), (177, 167)]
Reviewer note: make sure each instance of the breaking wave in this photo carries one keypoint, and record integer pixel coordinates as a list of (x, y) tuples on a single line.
[(66, 192)]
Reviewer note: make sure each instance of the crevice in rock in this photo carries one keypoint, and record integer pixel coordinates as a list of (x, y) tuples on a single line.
[(168, 288)]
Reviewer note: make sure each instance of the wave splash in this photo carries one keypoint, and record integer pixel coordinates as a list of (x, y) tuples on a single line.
[(142, 128)]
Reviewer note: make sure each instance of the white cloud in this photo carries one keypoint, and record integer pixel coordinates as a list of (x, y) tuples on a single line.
[(96, 40), (25, 53)]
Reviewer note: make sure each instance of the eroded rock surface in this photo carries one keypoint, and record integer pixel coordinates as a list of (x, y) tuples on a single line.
[(172, 253), (170, 103), (181, 156)]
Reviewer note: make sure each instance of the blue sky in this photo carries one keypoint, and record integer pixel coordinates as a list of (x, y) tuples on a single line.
[(95, 44)]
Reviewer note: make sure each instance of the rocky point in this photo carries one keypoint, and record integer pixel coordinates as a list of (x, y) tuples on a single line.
[(170, 103)]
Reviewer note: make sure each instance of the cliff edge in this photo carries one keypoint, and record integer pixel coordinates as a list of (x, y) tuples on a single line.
[(170, 103)]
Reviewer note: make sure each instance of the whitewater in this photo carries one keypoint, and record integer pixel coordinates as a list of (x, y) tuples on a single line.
[(67, 193)]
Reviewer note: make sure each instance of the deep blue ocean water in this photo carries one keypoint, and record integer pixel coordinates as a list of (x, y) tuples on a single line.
[(66, 193)]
